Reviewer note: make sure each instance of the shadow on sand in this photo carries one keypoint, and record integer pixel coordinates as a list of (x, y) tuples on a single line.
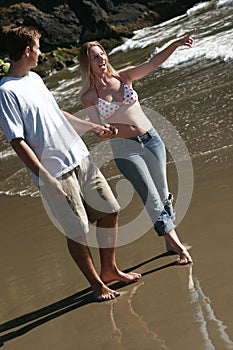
[(36, 318)]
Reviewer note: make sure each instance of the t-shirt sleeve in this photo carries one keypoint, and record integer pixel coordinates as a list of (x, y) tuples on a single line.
[(10, 116)]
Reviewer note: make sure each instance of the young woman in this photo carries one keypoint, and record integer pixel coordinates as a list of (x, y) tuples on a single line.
[(138, 150)]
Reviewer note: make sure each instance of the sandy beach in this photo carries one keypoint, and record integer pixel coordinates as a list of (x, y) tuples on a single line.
[(46, 303)]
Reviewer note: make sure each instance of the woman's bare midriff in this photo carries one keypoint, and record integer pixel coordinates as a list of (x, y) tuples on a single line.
[(130, 122), (128, 131)]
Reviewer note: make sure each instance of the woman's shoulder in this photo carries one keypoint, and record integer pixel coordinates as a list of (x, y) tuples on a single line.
[(89, 97), (124, 75)]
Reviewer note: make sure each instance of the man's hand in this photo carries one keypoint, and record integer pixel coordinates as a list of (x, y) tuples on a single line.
[(113, 128), (104, 131), (52, 186)]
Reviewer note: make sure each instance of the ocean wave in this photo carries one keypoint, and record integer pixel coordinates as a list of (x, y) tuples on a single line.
[(218, 155), (222, 3), (19, 183), (213, 40), (207, 5), (215, 47), (149, 35), (219, 149), (7, 153), (198, 8), (22, 193)]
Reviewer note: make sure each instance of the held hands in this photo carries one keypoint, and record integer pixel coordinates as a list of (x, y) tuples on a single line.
[(187, 40), (105, 131), (112, 128)]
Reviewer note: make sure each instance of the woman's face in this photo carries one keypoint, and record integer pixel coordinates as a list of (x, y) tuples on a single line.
[(98, 60)]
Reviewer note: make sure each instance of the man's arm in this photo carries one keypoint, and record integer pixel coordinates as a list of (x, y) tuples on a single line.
[(84, 126), (29, 158)]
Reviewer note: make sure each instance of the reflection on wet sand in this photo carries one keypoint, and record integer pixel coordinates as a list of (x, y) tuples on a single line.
[(204, 315), (131, 325)]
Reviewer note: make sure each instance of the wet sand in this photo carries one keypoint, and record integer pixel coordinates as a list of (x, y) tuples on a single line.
[(46, 304)]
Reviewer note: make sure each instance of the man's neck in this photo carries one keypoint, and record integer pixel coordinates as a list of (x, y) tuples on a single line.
[(17, 70)]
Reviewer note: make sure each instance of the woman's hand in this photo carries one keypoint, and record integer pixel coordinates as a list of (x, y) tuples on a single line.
[(187, 40), (104, 131), (112, 128)]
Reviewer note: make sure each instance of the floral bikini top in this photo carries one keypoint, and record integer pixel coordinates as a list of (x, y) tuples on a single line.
[(107, 109)]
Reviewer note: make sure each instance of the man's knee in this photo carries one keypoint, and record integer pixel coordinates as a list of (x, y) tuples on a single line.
[(108, 220)]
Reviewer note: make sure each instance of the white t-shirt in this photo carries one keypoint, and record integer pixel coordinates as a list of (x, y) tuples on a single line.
[(28, 110)]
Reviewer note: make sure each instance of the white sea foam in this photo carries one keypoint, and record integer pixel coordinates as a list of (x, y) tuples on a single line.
[(214, 47), (7, 153), (73, 68), (222, 3), (213, 41), (197, 8), (149, 35), (23, 193)]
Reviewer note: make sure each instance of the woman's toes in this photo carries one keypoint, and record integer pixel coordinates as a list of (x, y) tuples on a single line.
[(185, 259)]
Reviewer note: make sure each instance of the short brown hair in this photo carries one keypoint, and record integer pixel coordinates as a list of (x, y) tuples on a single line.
[(17, 39)]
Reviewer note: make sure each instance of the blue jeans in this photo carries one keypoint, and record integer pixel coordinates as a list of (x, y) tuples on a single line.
[(142, 160)]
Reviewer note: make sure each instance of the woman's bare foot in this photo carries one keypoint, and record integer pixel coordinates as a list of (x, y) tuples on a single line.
[(172, 251), (117, 275), (185, 258), (173, 244), (103, 293)]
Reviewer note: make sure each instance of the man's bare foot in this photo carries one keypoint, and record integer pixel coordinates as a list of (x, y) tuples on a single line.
[(117, 275), (103, 293)]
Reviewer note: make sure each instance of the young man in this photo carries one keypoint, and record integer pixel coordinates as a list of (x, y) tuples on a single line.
[(45, 139)]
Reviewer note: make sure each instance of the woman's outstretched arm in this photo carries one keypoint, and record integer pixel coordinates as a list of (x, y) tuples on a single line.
[(136, 72)]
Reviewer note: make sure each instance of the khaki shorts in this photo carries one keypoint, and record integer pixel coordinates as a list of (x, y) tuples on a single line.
[(89, 198)]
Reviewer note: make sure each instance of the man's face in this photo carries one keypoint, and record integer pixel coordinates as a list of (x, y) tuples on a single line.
[(34, 54)]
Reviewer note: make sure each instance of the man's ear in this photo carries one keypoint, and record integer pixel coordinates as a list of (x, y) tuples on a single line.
[(27, 51)]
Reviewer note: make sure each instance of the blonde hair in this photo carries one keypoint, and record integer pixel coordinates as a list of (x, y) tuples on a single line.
[(87, 75)]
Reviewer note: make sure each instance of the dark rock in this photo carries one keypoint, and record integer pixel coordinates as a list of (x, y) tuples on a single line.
[(129, 17), (70, 22), (67, 23), (59, 65), (69, 63), (59, 28), (168, 9)]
